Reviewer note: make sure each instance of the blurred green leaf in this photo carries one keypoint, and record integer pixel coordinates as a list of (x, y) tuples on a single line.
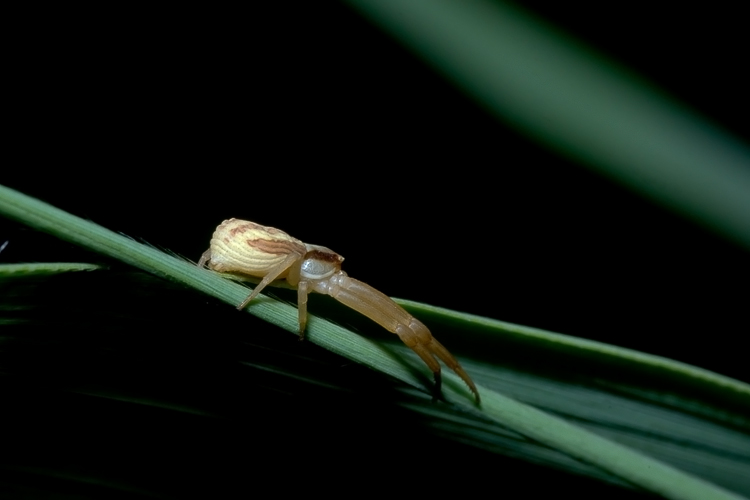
[(574, 100)]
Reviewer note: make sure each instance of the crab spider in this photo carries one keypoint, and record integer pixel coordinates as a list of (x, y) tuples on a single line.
[(246, 249)]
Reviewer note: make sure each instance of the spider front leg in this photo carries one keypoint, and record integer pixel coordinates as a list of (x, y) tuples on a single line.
[(380, 308)]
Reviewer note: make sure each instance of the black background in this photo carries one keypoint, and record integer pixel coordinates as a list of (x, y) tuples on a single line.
[(160, 124), (303, 116)]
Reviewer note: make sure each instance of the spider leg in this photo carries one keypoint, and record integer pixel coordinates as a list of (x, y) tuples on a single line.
[(204, 258), (302, 292), (383, 310), (271, 276)]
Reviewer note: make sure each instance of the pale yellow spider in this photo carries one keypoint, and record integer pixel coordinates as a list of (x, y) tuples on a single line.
[(247, 249)]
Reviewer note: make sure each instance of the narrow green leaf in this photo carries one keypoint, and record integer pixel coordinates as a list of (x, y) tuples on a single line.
[(552, 431)]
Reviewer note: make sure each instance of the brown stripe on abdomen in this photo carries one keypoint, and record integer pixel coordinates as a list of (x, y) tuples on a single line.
[(276, 247)]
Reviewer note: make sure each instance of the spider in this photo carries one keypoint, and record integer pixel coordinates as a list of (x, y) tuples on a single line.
[(246, 249)]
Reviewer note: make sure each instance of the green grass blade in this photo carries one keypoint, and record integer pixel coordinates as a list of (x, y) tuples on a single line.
[(552, 431), (658, 367), (45, 268), (708, 447)]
